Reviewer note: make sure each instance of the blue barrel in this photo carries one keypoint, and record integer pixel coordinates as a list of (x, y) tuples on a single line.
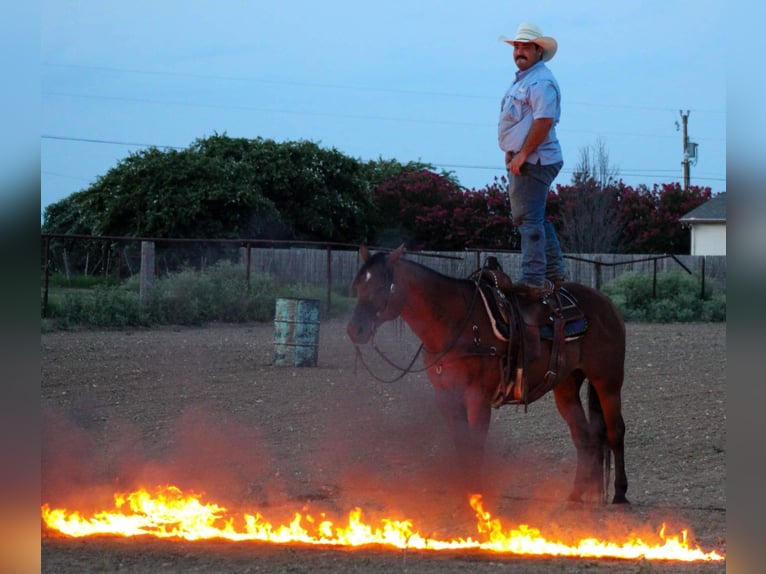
[(296, 332)]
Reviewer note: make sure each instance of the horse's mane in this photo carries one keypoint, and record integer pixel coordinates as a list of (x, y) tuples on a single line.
[(432, 271), (379, 258)]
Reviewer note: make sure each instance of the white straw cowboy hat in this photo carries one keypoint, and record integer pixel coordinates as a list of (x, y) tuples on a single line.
[(531, 33)]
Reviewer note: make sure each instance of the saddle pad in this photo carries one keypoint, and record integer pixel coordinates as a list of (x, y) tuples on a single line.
[(572, 330)]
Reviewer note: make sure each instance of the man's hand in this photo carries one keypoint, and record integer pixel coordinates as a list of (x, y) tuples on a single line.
[(537, 133), (514, 164)]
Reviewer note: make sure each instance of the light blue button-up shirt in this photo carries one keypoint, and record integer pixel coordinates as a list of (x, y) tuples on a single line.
[(534, 94)]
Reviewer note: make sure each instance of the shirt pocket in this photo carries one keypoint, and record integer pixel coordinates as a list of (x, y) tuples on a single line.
[(513, 104)]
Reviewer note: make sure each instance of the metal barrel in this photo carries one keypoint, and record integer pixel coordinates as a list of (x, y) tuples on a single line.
[(296, 332)]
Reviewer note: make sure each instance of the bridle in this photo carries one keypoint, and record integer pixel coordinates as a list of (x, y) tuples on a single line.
[(451, 346)]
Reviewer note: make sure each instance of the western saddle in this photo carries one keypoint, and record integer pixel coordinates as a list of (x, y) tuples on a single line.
[(524, 318)]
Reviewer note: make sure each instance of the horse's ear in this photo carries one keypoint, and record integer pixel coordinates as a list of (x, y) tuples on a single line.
[(396, 254), (364, 253)]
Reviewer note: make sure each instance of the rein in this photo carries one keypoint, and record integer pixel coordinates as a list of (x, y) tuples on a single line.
[(404, 371), (451, 346)]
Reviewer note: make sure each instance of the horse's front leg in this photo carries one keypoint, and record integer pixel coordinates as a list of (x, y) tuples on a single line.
[(570, 407), (467, 412)]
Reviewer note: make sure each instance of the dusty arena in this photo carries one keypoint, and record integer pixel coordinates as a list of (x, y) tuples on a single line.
[(205, 409)]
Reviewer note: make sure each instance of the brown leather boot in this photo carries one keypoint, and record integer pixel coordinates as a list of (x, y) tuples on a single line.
[(557, 281), (533, 291)]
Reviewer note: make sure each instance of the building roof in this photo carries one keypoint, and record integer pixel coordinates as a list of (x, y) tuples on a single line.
[(712, 211)]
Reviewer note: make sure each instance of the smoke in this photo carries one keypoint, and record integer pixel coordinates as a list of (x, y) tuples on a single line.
[(381, 458), (390, 457), (85, 463)]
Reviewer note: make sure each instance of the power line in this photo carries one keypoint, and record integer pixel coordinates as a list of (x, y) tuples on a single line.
[(353, 87), (627, 172), (269, 110), (100, 141), (64, 175), (293, 83), (337, 114)]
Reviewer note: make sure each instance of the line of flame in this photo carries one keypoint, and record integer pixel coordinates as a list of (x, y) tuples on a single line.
[(169, 513)]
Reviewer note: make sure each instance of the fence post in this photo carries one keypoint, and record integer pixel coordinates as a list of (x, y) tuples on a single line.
[(65, 259), (47, 275), (104, 262), (598, 275), (146, 276), (247, 265), (329, 277), (702, 287), (654, 279)]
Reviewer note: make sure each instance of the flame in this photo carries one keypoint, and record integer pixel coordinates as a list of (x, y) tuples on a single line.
[(169, 513)]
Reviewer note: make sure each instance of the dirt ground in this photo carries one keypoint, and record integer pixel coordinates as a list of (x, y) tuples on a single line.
[(205, 409)]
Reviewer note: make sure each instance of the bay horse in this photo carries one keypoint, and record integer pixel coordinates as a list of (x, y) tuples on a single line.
[(461, 354)]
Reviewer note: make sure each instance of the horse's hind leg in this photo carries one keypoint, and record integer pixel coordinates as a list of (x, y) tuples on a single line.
[(569, 405), (611, 405)]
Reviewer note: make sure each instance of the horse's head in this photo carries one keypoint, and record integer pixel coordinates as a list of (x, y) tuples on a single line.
[(377, 298)]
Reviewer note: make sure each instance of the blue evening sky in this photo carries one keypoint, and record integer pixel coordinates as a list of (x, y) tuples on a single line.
[(403, 79)]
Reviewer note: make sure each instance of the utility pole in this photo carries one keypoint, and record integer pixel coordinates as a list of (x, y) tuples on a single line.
[(685, 162)]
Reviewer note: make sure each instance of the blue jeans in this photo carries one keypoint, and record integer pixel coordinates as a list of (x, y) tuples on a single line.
[(541, 255)]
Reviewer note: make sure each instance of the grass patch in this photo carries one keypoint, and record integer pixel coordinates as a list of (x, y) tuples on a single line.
[(189, 297), (60, 280), (678, 298)]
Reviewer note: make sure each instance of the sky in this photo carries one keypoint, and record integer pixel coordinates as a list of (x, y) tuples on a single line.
[(410, 80)]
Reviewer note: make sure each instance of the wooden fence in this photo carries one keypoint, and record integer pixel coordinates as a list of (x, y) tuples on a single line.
[(311, 265), (334, 265)]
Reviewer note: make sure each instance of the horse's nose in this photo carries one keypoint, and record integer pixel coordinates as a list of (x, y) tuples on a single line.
[(356, 333), (352, 331)]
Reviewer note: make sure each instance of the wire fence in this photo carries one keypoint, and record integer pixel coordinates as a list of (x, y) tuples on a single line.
[(329, 265)]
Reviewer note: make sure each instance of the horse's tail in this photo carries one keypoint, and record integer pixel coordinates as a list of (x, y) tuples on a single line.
[(599, 437)]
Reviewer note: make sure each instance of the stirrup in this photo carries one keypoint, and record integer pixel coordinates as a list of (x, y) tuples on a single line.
[(557, 281), (532, 291)]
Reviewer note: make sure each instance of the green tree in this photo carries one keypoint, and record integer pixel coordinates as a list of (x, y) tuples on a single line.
[(68, 216), (379, 170), (221, 187)]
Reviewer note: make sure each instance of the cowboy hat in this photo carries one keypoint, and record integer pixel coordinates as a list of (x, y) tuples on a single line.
[(531, 33)]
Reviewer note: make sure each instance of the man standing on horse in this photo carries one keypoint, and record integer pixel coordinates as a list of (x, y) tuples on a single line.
[(529, 112)]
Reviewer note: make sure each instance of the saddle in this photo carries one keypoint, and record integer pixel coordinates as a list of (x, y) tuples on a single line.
[(524, 323)]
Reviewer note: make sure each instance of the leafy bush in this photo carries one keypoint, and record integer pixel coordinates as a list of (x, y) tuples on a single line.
[(79, 281), (678, 298), (188, 297), (102, 306)]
